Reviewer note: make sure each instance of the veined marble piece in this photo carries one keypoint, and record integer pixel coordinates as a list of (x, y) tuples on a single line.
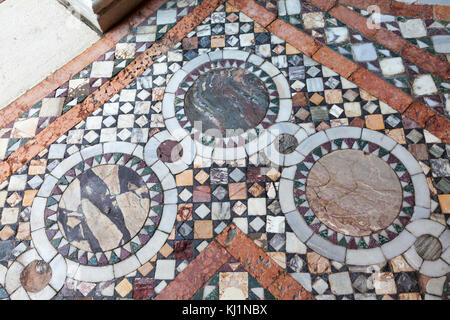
[(103, 208), (224, 99), (354, 193)]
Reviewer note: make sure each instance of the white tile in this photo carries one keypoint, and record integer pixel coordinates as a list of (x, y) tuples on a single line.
[(441, 43), (168, 217), (275, 224), (398, 245), (337, 35), (392, 66), (326, 248), (126, 266), (43, 245), (425, 226), (362, 257), (166, 16), (424, 85), (152, 247), (413, 28), (165, 270), (435, 268), (364, 52), (256, 206), (340, 283), (421, 191), (102, 69), (378, 138)]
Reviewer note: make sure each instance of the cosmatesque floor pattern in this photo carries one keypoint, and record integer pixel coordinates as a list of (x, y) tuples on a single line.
[(234, 149)]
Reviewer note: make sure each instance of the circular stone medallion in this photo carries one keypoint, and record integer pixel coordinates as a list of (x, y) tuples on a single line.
[(224, 99), (103, 208), (170, 151), (354, 193), (428, 247), (36, 276), (286, 143)]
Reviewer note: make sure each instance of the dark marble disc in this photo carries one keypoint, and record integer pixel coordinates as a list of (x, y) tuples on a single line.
[(103, 208), (227, 99), (286, 143), (170, 151)]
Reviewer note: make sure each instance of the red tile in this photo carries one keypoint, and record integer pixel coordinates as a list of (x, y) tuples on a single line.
[(196, 274), (384, 5), (143, 288), (381, 89), (426, 61), (335, 61), (252, 257), (442, 13), (390, 40), (440, 127), (295, 37), (258, 13), (183, 250), (202, 194), (287, 288), (324, 4), (352, 19), (419, 113), (411, 10)]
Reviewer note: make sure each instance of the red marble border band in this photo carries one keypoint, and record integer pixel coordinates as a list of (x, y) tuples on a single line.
[(11, 112), (396, 98), (387, 38), (196, 274), (232, 242), (79, 112), (438, 12)]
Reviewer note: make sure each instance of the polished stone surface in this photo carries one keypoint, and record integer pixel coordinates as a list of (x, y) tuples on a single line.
[(227, 99), (286, 143), (170, 151), (103, 208), (36, 276), (428, 247), (353, 192)]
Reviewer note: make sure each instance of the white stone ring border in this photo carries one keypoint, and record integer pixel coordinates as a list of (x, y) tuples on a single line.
[(217, 153), (272, 152), (104, 273), (12, 280), (151, 152), (404, 241)]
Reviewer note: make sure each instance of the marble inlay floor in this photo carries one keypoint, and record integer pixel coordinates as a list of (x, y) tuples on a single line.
[(225, 99), (354, 193), (251, 150)]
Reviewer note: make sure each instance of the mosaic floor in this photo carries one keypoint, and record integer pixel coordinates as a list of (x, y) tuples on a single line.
[(234, 149)]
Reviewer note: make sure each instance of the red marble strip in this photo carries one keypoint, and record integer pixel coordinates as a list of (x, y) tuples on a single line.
[(235, 244), (58, 78), (254, 11), (268, 273), (196, 274), (397, 99), (71, 118), (424, 11), (392, 41)]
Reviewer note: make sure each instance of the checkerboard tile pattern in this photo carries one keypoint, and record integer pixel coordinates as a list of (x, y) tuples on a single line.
[(94, 76), (212, 194), (383, 62)]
